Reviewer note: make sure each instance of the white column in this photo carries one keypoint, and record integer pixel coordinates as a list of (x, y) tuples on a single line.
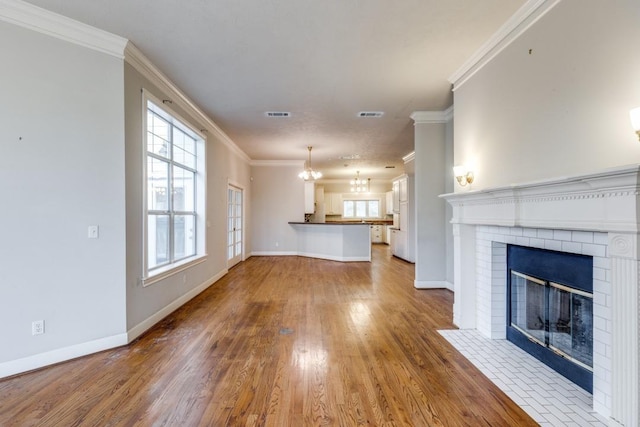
[(430, 210), (464, 276), (623, 252)]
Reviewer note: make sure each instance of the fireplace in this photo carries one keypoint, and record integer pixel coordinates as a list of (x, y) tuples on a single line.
[(550, 309), (596, 215)]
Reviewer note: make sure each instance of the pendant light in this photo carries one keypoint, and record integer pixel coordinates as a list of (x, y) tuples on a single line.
[(359, 185), (308, 174)]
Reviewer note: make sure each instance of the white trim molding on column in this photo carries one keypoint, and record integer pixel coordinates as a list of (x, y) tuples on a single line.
[(625, 375), (464, 267), (444, 116)]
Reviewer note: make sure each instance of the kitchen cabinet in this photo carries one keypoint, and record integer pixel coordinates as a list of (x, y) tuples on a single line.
[(377, 233), (389, 202), (395, 189), (333, 204), (309, 197), (401, 245), (398, 243), (403, 195), (387, 234)]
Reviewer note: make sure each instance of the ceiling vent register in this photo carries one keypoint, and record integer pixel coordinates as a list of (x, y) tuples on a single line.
[(277, 114), (370, 114)]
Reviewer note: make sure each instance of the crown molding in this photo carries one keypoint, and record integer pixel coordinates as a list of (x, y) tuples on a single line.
[(444, 116), (144, 66), (448, 113), (26, 15), (520, 22), (409, 157)]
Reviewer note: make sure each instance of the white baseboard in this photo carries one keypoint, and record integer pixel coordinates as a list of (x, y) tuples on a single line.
[(274, 253), (334, 258), (312, 255), (150, 321), (432, 284), (40, 360)]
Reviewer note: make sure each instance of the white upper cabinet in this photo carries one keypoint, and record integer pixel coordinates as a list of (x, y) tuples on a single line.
[(333, 204), (309, 197), (403, 189), (395, 189), (389, 202)]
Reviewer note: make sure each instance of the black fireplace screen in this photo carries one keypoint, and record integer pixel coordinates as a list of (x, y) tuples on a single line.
[(555, 316)]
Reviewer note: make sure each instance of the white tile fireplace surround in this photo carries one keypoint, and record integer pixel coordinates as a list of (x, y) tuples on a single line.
[(595, 215)]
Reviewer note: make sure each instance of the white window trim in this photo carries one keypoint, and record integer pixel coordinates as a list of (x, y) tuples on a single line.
[(355, 199), (160, 273)]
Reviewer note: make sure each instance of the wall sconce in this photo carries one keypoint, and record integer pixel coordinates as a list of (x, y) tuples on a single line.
[(634, 114), (463, 175)]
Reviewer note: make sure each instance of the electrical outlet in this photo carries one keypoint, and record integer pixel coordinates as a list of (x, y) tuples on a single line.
[(277, 244), (37, 327)]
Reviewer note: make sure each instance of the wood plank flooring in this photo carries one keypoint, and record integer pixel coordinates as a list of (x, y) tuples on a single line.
[(279, 341)]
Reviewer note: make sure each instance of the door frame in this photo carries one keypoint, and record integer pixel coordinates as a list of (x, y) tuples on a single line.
[(241, 256)]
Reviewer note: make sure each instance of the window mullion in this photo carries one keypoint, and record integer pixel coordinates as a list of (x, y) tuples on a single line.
[(170, 198)]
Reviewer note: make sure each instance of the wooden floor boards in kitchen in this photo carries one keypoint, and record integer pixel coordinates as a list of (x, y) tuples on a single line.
[(279, 341)]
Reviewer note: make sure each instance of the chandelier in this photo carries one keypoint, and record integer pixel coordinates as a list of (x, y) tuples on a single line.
[(359, 185), (308, 174)]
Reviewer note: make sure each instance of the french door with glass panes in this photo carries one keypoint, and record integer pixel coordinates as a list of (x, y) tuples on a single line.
[(234, 225)]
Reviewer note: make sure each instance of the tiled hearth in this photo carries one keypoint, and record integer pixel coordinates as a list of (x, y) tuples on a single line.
[(594, 215), (548, 397)]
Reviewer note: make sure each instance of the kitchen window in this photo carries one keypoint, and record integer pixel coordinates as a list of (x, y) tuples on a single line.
[(361, 208), (174, 193)]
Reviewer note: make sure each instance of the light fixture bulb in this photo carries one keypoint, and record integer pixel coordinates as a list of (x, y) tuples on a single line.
[(463, 175), (357, 184)]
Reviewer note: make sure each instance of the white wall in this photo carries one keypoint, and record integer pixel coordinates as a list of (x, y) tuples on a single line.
[(278, 198), (71, 156), (561, 109), (61, 170), (147, 305)]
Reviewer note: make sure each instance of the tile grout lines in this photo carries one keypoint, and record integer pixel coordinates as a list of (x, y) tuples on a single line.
[(548, 397)]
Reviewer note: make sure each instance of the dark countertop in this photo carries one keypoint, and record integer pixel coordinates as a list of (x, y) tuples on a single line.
[(371, 222), (330, 223)]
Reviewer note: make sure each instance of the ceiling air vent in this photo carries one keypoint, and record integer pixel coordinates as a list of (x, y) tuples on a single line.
[(389, 167), (277, 114), (370, 114)]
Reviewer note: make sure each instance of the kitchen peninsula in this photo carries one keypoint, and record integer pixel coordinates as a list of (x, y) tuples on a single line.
[(336, 241)]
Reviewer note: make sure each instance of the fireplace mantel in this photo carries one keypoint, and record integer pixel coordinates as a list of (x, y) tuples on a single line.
[(594, 214), (604, 201)]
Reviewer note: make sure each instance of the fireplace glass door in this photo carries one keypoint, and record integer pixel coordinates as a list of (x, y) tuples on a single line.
[(554, 316), (528, 306), (571, 324)]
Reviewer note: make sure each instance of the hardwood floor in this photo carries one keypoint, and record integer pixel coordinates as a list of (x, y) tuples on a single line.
[(279, 341)]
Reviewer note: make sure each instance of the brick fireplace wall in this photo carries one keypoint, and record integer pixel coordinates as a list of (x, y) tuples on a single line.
[(491, 272)]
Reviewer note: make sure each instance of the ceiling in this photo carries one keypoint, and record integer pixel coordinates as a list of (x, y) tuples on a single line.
[(322, 61)]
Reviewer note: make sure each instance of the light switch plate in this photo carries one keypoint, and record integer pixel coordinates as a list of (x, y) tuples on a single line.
[(92, 232)]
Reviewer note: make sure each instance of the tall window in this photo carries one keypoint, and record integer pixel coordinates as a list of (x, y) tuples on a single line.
[(361, 209), (174, 194)]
